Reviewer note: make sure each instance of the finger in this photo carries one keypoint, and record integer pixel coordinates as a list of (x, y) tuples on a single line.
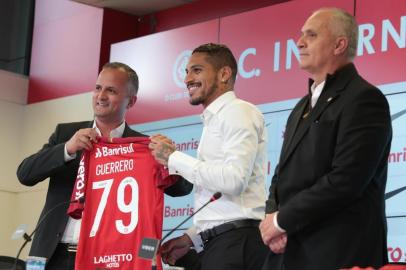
[(266, 238), (167, 141), (165, 259), (275, 249), (151, 146), (171, 261), (156, 137), (278, 245), (87, 143)]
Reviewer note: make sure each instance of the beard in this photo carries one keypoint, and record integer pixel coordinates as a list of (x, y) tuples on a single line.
[(202, 98)]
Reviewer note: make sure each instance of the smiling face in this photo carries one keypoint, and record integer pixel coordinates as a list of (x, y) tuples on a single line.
[(202, 80), (111, 96)]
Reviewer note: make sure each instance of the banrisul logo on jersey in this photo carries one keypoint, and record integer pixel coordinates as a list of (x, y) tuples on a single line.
[(119, 150)]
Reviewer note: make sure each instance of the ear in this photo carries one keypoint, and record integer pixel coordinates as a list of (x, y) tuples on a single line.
[(341, 45), (225, 74), (131, 102)]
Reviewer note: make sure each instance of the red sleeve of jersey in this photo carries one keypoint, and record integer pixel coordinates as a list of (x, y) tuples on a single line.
[(163, 179)]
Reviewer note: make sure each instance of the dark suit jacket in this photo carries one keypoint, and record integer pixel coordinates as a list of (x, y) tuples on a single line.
[(49, 162), (330, 182)]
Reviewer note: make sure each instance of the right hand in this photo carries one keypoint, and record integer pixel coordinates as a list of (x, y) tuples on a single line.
[(82, 139), (175, 249)]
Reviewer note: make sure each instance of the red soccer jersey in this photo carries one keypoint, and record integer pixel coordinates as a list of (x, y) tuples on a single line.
[(122, 205)]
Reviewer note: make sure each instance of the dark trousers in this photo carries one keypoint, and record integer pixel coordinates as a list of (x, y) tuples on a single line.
[(239, 249), (62, 259)]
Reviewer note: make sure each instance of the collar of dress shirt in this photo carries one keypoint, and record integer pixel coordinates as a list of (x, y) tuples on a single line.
[(115, 133), (216, 105), (316, 92)]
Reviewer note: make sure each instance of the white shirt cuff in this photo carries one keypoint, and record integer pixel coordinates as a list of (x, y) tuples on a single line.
[(275, 223), (196, 239), (66, 155), (182, 164)]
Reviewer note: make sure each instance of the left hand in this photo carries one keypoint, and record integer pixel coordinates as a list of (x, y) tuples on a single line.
[(272, 237), (175, 249), (161, 147), (278, 244)]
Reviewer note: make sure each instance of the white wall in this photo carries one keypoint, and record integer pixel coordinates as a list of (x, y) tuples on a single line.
[(24, 129), (13, 95)]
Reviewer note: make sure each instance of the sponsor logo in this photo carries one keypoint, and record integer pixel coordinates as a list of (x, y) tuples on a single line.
[(396, 157), (107, 151), (178, 212), (113, 260), (80, 180), (396, 254)]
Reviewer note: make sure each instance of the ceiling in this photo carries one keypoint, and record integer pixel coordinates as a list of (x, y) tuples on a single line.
[(136, 7)]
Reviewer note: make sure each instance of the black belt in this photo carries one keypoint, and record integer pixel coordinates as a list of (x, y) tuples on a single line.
[(69, 247), (209, 234)]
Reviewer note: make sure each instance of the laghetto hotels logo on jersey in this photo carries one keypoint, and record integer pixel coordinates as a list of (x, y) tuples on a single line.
[(105, 151), (179, 68)]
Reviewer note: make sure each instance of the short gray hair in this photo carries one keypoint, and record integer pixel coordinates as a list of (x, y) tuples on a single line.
[(131, 76), (344, 24)]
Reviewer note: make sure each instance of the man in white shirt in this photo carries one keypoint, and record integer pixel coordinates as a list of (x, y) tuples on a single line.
[(231, 159)]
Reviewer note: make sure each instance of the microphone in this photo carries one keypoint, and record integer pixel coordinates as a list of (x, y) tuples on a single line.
[(213, 198), (28, 238), (155, 243)]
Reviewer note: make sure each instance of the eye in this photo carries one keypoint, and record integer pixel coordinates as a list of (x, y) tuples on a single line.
[(197, 70), (311, 34)]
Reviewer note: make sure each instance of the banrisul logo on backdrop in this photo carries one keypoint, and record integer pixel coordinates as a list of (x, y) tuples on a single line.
[(179, 68)]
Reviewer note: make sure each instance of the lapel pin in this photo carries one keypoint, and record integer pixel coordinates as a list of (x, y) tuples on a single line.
[(329, 99)]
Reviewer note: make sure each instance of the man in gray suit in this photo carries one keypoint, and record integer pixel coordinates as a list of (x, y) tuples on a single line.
[(326, 208), (115, 93)]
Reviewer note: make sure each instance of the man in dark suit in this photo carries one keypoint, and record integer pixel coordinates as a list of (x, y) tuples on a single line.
[(326, 207), (115, 92)]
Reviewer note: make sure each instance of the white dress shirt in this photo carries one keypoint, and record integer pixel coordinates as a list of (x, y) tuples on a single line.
[(316, 92), (72, 229), (231, 159)]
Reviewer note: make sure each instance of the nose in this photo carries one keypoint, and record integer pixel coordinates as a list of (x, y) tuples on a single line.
[(102, 94), (300, 42), (188, 78)]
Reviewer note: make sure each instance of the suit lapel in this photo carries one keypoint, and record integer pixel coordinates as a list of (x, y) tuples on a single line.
[(313, 117), (292, 126), (128, 132), (334, 85)]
